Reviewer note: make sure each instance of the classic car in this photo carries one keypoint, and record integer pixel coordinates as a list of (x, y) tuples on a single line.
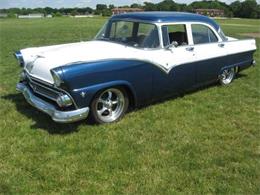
[(134, 59)]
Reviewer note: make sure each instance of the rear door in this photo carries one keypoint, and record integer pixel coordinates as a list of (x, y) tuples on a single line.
[(211, 53)]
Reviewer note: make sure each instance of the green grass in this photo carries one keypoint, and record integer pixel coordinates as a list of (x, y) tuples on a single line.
[(205, 142)]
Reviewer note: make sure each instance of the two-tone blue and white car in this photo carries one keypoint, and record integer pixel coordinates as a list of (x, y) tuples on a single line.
[(134, 59)]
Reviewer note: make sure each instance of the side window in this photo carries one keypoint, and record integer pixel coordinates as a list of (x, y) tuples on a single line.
[(121, 29), (147, 36), (174, 33), (145, 29), (203, 34)]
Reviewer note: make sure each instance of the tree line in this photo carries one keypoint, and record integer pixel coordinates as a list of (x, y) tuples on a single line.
[(245, 9)]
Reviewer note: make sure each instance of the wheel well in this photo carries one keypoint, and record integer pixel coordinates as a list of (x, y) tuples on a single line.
[(130, 94), (236, 68)]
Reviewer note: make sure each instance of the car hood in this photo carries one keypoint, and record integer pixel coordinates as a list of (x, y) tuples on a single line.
[(40, 60)]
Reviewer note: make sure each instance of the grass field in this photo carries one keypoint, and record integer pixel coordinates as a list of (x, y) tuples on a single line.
[(205, 142)]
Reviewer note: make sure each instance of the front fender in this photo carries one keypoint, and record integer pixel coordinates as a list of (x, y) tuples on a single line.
[(84, 80), (85, 95)]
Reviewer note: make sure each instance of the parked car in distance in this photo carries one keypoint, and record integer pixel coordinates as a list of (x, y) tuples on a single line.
[(134, 59)]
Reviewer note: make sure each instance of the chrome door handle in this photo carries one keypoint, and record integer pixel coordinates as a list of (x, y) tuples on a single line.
[(221, 45), (189, 48)]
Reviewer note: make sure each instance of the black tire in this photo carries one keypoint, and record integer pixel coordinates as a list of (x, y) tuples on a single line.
[(109, 105)]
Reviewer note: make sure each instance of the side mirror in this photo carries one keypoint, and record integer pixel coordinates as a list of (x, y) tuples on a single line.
[(172, 45)]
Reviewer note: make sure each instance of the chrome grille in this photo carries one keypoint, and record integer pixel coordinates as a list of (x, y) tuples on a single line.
[(43, 89)]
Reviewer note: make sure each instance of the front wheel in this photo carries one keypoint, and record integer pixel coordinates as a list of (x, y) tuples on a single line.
[(109, 105), (227, 76)]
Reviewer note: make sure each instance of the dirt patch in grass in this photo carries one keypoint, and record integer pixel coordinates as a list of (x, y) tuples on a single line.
[(254, 35)]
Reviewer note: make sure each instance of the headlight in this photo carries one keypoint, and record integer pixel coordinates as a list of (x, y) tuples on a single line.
[(56, 78), (18, 55)]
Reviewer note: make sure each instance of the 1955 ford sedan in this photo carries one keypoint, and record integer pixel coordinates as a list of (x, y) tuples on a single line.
[(134, 59)]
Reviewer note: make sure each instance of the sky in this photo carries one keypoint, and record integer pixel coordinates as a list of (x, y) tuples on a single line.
[(79, 3)]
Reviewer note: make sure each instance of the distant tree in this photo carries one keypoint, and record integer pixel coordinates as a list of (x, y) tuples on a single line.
[(135, 5), (14, 11), (3, 11), (89, 10), (49, 10), (150, 6), (182, 7), (168, 5), (11, 15), (85, 10), (111, 6), (212, 5), (38, 10), (246, 9), (74, 12), (101, 7), (106, 12), (236, 8), (22, 11), (57, 14), (187, 8), (249, 9), (258, 11)]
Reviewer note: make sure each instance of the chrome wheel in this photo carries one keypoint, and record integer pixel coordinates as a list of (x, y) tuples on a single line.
[(110, 105), (227, 76)]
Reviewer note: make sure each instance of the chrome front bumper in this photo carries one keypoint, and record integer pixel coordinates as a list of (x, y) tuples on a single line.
[(56, 115)]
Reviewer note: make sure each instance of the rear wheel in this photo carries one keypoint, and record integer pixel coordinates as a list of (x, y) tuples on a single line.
[(109, 105), (227, 76)]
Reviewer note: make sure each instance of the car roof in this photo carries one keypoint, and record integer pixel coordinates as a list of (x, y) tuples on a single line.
[(166, 17)]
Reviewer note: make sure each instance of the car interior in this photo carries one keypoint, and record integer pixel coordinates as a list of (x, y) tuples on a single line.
[(179, 37), (174, 34)]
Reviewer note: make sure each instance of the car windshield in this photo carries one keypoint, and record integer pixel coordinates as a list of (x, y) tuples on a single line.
[(136, 34)]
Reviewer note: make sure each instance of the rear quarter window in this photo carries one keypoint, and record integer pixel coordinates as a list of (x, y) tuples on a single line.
[(203, 34)]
